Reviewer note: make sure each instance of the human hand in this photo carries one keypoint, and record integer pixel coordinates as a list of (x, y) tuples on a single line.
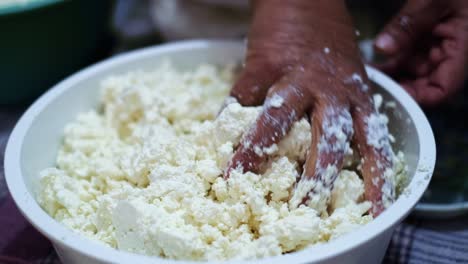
[(427, 48), (302, 59)]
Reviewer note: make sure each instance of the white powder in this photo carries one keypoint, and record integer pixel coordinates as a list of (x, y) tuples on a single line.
[(377, 132), (275, 101), (356, 79), (265, 150), (145, 174), (337, 129)]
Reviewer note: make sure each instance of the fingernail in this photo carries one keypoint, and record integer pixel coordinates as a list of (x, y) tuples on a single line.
[(385, 42)]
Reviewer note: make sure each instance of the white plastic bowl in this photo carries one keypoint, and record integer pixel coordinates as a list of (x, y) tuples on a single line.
[(34, 142)]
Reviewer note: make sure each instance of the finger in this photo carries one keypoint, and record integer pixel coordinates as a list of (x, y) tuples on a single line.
[(392, 66), (414, 19), (445, 80), (253, 83), (372, 141), (436, 55), (427, 93), (409, 88), (452, 70), (283, 106), (438, 88), (412, 64), (446, 30), (332, 130), (419, 65)]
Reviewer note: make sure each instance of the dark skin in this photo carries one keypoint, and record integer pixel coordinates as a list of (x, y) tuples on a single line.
[(427, 48), (306, 53)]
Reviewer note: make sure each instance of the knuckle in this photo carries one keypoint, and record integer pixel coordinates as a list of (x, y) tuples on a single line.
[(404, 25), (247, 89), (415, 17), (262, 61)]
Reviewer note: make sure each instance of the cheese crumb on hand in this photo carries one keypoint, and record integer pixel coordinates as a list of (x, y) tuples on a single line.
[(145, 174)]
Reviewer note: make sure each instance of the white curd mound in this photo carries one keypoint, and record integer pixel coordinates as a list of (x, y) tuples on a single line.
[(144, 174)]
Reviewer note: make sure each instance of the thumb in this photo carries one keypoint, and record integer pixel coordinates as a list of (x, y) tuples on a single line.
[(414, 19)]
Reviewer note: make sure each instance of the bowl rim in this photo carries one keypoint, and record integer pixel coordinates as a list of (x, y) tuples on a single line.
[(64, 237), (16, 8)]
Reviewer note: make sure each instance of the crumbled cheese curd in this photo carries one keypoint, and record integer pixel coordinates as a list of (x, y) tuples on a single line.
[(144, 174)]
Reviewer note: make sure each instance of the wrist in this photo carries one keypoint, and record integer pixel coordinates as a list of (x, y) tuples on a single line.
[(308, 22), (303, 9)]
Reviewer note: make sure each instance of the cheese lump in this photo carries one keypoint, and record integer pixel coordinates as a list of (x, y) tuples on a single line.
[(144, 174)]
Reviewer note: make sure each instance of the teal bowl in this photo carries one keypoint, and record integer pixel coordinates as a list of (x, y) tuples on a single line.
[(43, 41)]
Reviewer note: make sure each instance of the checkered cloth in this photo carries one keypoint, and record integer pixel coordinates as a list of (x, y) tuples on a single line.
[(429, 241), (414, 241)]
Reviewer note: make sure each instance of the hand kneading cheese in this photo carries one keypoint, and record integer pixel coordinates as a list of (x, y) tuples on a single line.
[(144, 174)]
